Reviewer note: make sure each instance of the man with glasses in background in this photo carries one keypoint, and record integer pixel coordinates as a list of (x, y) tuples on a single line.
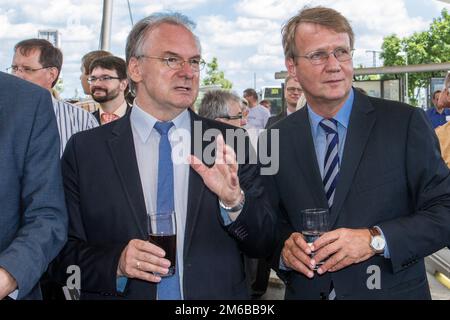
[(109, 86), (220, 205), (222, 106), (38, 61), (292, 93), (373, 163)]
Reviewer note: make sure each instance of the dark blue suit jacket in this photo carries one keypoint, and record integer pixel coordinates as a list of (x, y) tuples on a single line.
[(391, 175), (107, 209), (33, 217)]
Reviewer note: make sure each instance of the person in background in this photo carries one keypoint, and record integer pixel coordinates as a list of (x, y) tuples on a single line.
[(257, 114), (266, 104), (88, 103), (292, 93), (438, 116), (38, 61), (222, 106), (109, 86), (443, 132)]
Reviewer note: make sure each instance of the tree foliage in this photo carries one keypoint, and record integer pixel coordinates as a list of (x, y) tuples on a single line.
[(216, 77), (430, 46)]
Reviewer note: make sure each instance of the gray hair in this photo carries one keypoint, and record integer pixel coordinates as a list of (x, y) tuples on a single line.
[(137, 37), (215, 104)]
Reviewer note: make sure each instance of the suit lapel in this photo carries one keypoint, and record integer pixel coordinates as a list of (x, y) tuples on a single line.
[(196, 189), (306, 155), (362, 120), (124, 159)]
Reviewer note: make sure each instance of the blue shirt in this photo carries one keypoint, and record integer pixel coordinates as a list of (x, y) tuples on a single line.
[(437, 119)]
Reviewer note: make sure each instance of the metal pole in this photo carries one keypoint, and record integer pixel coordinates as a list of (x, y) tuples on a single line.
[(406, 80), (105, 36)]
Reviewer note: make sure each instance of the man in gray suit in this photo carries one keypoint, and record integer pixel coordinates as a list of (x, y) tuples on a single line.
[(33, 217)]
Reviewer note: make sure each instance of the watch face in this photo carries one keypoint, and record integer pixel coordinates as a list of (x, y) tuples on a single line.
[(378, 243)]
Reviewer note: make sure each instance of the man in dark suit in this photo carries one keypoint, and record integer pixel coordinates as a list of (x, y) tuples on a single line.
[(375, 164), (109, 87), (33, 218), (292, 93), (220, 205)]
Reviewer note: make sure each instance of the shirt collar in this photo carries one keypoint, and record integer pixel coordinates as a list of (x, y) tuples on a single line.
[(120, 111), (144, 123), (342, 117)]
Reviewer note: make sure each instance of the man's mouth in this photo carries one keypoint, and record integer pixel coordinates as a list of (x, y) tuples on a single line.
[(183, 88)]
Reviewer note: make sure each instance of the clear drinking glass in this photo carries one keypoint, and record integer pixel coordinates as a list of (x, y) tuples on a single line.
[(315, 222), (162, 232)]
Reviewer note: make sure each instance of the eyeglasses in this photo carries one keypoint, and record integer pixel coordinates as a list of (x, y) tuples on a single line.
[(321, 57), (92, 80), (176, 63), (228, 117), (293, 89), (27, 70)]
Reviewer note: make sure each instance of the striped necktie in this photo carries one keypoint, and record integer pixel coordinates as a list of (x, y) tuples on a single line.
[(169, 287), (331, 170), (331, 163)]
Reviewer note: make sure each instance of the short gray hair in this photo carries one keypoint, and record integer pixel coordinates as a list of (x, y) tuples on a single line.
[(136, 38), (215, 104)]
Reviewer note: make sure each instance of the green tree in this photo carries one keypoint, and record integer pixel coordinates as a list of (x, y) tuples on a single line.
[(216, 77), (431, 46)]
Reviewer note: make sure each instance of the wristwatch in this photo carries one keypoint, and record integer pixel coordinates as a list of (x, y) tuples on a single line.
[(237, 207), (377, 241)]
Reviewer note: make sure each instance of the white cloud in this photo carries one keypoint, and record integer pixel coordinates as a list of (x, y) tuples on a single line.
[(244, 35)]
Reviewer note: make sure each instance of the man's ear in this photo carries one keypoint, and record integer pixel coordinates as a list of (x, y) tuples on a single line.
[(123, 84), (53, 74), (290, 66), (134, 70)]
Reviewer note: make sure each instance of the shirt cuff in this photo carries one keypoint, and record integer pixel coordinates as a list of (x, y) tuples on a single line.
[(386, 248), (228, 217), (13, 295), (121, 282), (282, 266)]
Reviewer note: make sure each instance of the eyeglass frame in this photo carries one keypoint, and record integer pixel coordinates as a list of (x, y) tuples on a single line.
[(27, 70), (236, 117), (92, 80), (325, 59), (292, 89), (180, 65)]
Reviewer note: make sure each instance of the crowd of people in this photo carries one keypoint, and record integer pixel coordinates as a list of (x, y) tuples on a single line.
[(79, 180)]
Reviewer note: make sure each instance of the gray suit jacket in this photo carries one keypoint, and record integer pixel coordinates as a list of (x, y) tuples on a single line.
[(33, 217), (391, 175)]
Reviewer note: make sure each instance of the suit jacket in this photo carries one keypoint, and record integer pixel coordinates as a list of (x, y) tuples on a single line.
[(96, 113), (275, 119), (391, 175), (33, 216), (106, 210)]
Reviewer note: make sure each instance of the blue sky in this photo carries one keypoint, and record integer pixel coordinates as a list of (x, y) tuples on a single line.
[(243, 34)]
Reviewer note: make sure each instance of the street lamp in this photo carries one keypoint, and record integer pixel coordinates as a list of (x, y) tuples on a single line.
[(405, 55)]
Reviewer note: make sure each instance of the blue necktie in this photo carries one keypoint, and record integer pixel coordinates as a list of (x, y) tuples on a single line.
[(331, 170), (169, 287), (331, 163)]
